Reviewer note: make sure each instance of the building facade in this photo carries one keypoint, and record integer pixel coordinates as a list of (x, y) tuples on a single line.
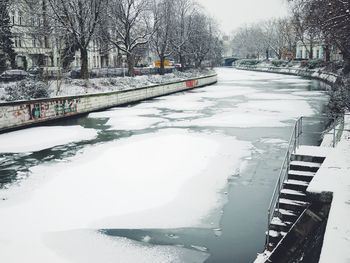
[(36, 46), (318, 50)]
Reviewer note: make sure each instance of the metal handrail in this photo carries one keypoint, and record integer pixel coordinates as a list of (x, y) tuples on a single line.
[(292, 146), (294, 143)]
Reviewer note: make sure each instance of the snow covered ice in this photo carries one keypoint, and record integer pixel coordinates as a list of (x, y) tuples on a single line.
[(40, 138), (175, 153)]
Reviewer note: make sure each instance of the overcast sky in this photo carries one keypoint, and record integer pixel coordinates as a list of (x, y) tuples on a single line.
[(233, 13)]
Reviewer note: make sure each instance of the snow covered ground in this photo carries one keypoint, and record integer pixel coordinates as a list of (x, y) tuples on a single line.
[(71, 87), (334, 176), (167, 174)]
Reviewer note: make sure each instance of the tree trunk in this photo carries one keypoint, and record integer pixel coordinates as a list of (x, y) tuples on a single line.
[(267, 54), (131, 63), (346, 69), (84, 72), (162, 67), (311, 51), (327, 53), (182, 62)]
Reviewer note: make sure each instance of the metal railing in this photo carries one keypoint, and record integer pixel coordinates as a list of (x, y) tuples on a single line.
[(335, 129)]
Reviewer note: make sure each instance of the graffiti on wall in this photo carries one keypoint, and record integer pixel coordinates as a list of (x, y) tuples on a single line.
[(191, 83), (47, 109), (3, 113), (66, 107)]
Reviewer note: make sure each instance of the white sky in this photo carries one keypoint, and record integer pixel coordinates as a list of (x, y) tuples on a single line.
[(231, 14)]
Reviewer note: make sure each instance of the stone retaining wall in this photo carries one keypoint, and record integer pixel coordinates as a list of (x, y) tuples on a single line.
[(23, 113), (328, 77)]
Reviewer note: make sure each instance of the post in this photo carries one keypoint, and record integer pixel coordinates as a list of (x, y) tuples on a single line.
[(123, 68), (268, 230)]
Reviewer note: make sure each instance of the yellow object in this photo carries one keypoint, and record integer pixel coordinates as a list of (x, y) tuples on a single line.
[(167, 63)]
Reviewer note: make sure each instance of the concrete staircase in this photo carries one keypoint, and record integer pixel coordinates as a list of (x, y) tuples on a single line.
[(292, 201)]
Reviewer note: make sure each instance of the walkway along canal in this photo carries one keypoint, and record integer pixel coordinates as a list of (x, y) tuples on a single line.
[(182, 178)]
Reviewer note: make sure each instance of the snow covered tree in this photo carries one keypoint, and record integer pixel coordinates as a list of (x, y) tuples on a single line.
[(183, 28), (79, 18), (203, 38), (248, 42), (130, 27), (163, 13), (7, 53), (332, 17), (329, 17)]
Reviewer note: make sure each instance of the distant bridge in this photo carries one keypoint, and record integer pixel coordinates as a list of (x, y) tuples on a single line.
[(228, 61)]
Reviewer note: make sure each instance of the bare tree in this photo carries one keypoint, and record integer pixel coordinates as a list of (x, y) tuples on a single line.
[(78, 18), (278, 36), (204, 36), (248, 42), (183, 28), (163, 13), (131, 27), (332, 18), (305, 33)]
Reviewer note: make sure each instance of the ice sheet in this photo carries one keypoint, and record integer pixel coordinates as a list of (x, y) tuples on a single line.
[(182, 115), (178, 102), (124, 111), (155, 177), (258, 113), (133, 122), (221, 91), (131, 118), (273, 96), (40, 138), (87, 246), (237, 119)]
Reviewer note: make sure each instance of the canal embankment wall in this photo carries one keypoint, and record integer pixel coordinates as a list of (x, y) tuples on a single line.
[(331, 186), (327, 77), (18, 114)]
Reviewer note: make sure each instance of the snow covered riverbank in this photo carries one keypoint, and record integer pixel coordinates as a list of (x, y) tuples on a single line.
[(334, 177), (73, 87)]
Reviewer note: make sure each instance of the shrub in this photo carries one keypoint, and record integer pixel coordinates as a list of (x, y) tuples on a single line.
[(316, 63), (27, 89), (312, 64), (279, 63), (247, 62)]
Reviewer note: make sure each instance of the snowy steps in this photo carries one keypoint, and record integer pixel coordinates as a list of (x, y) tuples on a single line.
[(292, 201)]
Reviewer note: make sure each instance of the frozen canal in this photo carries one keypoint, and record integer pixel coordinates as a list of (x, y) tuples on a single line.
[(181, 178)]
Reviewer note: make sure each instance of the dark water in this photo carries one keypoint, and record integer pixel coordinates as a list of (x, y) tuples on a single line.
[(240, 234)]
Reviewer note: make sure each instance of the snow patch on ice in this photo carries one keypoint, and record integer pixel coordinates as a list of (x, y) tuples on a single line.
[(124, 111), (40, 138), (155, 177), (87, 246), (274, 141), (273, 96), (180, 115), (131, 118), (258, 113)]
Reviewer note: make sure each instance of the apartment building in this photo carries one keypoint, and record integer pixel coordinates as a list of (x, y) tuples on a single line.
[(318, 51), (36, 46)]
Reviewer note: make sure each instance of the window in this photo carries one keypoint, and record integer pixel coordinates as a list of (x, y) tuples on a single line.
[(34, 41), (94, 61), (18, 41), (20, 18)]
